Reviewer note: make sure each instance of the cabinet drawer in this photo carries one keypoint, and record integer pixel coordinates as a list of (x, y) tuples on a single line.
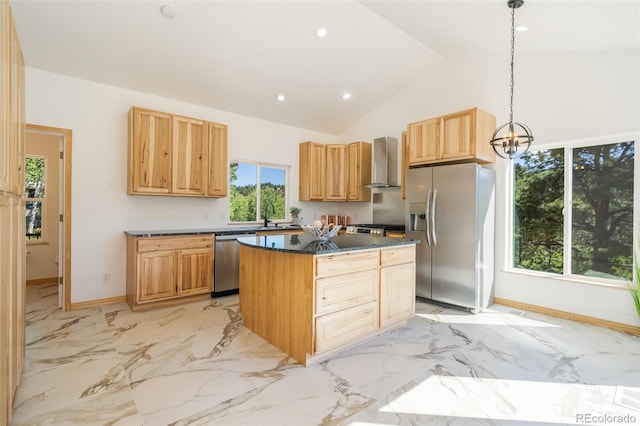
[(398, 255), (346, 262), (346, 325), (342, 291), (174, 243)]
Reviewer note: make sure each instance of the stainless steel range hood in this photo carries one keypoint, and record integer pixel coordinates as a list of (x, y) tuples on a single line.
[(385, 163)]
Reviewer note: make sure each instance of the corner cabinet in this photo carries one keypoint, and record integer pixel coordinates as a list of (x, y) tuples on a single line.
[(334, 172), (164, 271), (458, 137), (175, 155)]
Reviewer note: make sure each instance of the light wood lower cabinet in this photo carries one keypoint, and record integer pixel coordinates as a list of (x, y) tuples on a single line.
[(163, 271), (311, 306), (397, 284), (346, 298), (346, 325)]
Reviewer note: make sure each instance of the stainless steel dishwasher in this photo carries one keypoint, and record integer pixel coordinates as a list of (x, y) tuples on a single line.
[(226, 264)]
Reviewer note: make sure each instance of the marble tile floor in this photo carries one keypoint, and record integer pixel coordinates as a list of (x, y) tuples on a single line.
[(195, 364)]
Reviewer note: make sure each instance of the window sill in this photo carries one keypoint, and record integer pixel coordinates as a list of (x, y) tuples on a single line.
[(573, 279), (37, 243)]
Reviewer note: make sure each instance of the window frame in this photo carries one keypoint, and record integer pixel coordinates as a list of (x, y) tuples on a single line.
[(259, 166), (41, 200), (567, 211)]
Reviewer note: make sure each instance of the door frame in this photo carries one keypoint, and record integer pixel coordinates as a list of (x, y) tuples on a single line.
[(66, 134)]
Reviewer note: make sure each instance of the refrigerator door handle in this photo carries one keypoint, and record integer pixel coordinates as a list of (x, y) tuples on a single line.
[(427, 217), (433, 218)]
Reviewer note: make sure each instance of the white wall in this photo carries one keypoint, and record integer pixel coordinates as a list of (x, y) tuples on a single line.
[(101, 208), (562, 97)]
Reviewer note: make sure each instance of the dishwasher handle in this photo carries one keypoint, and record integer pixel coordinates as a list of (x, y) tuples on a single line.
[(233, 237)]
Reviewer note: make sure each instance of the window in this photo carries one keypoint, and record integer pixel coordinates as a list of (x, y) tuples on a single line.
[(254, 189), (35, 168), (573, 211)]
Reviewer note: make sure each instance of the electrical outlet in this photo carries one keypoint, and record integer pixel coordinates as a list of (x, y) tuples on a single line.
[(205, 215), (106, 278)]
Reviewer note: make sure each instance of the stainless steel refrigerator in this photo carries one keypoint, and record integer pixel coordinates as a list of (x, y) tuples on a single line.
[(451, 210)]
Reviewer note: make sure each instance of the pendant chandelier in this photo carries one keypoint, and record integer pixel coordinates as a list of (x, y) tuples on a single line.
[(512, 139)]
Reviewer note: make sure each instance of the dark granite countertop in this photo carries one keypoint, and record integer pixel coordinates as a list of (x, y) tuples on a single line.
[(305, 244), (231, 230)]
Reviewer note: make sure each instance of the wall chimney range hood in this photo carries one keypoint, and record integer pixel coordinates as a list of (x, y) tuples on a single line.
[(385, 163)]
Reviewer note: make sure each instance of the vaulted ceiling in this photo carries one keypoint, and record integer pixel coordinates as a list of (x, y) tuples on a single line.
[(238, 55)]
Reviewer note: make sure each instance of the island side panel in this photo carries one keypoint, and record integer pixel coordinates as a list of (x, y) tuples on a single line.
[(276, 298)]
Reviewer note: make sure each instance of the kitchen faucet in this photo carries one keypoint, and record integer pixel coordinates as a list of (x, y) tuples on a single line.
[(265, 215)]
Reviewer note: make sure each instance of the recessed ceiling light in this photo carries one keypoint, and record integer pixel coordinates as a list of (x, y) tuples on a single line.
[(346, 95), (280, 97), (168, 11), (522, 28), (322, 32)]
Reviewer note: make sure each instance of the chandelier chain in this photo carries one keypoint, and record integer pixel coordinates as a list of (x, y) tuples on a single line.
[(513, 41)]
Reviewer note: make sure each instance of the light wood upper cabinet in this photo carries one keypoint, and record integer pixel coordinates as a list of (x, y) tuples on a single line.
[(358, 171), (177, 156), (150, 152), (12, 125), (189, 156), (458, 137), (424, 141), (312, 171), (336, 173), (218, 167)]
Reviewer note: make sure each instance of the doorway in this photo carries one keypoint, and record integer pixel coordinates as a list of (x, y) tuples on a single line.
[(48, 208)]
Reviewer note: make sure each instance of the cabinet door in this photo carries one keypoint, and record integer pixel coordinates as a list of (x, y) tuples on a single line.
[(458, 139), (189, 159), (17, 125), (218, 166), (5, 100), (195, 271), (150, 152), (424, 141), (358, 171), (336, 173), (397, 293), (157, 276), (312, 171)]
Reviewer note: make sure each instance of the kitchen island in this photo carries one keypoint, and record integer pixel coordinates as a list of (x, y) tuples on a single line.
[(313, 299)]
